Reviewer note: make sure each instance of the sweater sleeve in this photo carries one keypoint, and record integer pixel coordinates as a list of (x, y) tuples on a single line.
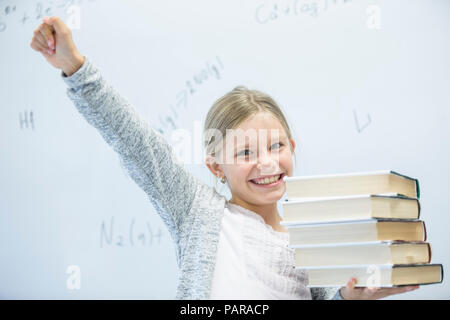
[(325, 294), (147, 156)]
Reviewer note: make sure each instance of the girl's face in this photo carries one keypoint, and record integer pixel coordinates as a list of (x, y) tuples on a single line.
[(262, 150)]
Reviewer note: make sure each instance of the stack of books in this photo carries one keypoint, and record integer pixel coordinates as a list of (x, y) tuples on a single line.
[(362, 225)]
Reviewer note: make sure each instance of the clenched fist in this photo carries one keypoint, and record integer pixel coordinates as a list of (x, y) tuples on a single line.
[(54, 40)]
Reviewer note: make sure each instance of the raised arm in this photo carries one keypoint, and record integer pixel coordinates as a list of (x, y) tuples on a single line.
[(148, 157)]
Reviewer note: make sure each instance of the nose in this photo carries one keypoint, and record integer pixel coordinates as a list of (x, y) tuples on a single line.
[(267, 164)]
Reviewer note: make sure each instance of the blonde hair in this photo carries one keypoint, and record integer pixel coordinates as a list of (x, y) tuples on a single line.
[(229, 111)]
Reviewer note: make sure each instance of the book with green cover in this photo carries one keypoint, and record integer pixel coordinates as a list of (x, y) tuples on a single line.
[(374, 182)]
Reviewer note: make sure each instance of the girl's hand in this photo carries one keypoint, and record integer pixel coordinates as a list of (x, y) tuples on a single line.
[(370, 293), (54, 40)]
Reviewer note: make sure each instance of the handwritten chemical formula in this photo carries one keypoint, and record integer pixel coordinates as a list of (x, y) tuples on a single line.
[(26, 120), (171, 120), (271, 11), (132, 234), (13, 13)]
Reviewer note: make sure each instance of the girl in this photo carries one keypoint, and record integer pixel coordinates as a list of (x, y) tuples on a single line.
[(226, 249)]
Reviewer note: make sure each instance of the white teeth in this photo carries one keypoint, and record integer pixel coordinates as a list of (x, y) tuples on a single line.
[(268, 180)]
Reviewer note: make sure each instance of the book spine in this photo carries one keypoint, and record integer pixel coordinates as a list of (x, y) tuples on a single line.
[(429, 252), (415, 180), (417, 189), (419, 209), (424, 231)]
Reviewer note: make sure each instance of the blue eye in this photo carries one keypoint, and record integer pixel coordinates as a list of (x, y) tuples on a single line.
[(240, 153), (247, 152), (278, 143)]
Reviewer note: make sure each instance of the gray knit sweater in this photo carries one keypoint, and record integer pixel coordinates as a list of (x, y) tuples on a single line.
[(190, 209)]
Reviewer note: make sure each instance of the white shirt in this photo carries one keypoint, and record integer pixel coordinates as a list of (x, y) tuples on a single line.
[(254, 261)]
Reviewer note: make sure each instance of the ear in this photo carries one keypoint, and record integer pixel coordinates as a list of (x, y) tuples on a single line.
[(292, 144), (214, 167)]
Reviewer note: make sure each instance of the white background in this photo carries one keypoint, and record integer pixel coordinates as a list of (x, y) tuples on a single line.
[(325, 62)]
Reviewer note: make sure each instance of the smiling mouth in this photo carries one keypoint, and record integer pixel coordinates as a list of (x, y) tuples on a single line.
[(269, 180)]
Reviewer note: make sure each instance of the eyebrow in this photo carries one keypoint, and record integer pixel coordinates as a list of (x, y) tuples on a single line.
[(280, 138)]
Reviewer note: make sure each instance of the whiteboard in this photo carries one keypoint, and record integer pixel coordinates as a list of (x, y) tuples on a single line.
[(364, 85)]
